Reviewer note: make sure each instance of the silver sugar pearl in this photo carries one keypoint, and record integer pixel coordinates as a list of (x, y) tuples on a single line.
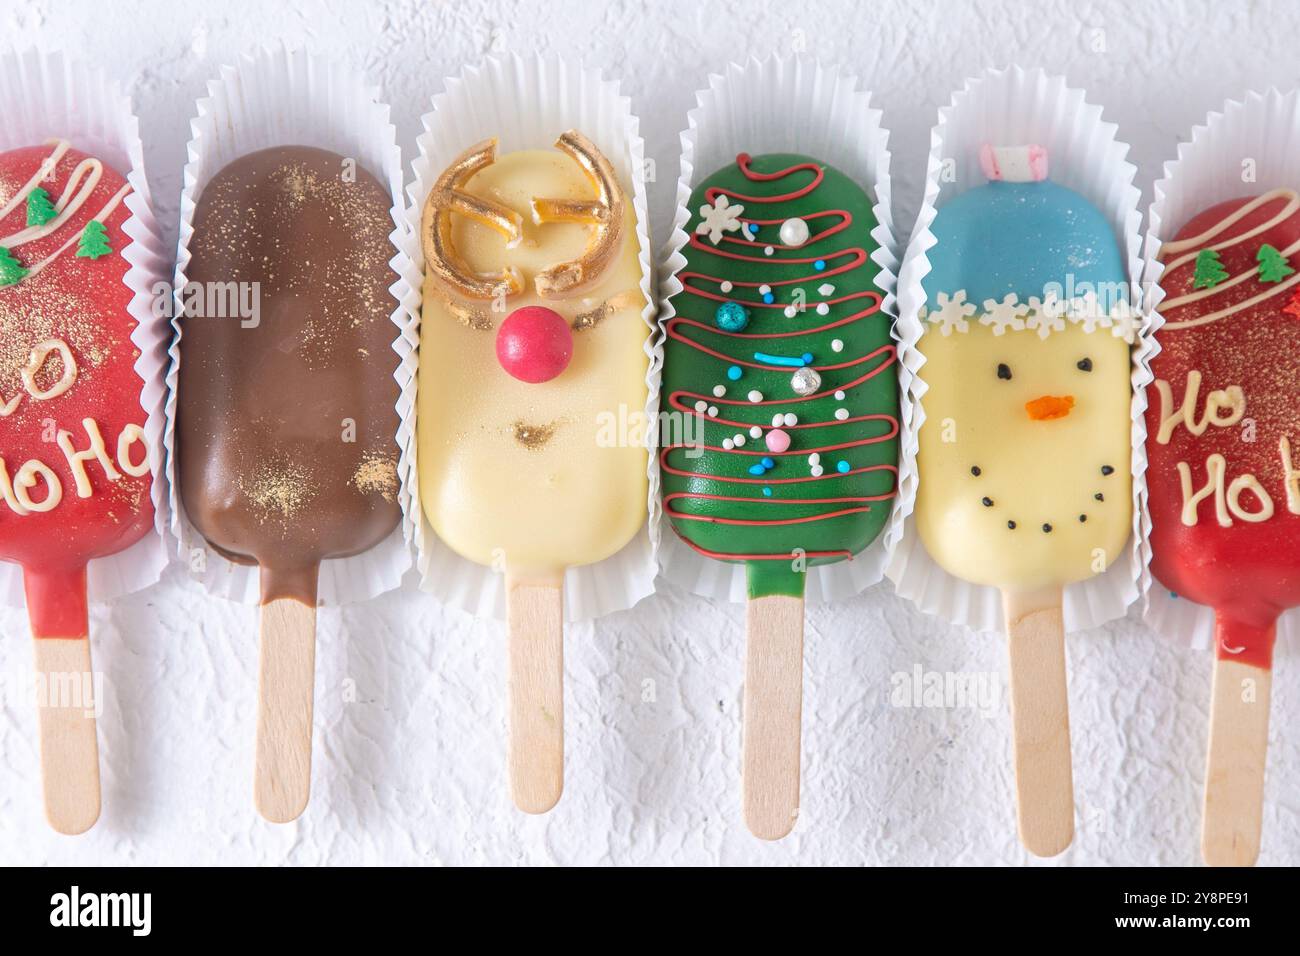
[(805, 381)]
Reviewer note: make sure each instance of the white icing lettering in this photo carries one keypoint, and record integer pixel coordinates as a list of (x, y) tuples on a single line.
[(131, 435), (76, 459), (1232, 399), (1251, 484), (1215, 466), (26, 479), (40, 354)]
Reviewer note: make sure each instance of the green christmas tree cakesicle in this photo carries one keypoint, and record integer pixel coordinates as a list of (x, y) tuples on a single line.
[(11, 270), (781, 351)]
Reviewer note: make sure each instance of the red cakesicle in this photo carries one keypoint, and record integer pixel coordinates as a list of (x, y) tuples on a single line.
[(74, 464)]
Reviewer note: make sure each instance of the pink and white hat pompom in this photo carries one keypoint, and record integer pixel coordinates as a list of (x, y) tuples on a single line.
[(1014, 164)]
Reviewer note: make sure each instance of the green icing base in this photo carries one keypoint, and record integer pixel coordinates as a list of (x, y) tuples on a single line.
[(688, 369)]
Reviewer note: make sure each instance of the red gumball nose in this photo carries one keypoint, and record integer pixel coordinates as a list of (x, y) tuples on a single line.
[(534, 344)]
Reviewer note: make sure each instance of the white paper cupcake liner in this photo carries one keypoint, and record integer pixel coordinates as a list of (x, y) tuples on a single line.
[(526, 104), (1017, 106), (287, 97), (798, 106), (1264, 128), (47, 95)]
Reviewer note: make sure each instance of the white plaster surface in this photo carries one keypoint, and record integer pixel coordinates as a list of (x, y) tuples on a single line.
[(410, 720)]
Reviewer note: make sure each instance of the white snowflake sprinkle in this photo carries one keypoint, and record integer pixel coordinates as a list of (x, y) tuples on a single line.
[(719, 391), (791, 312), (777, 419), (764, 289), (841, 413), (718, 218), (839, 395), (713, 411), (814, 458), (837, 345), (823, 308), (953, 312), (768, 250), (755, 432), (739, 440), (1087, 310), (755, 396), (816, 471), (701, 406), (1125, 323), (726, 286), (728, 444), (826, 288), (790, 419), (1007, 314), (1046, 314)]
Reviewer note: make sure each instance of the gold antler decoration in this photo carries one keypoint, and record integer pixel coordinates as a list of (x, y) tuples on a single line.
[(447, 196), (605, 213)]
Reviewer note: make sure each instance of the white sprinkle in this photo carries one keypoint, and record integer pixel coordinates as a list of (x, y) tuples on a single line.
[(839, 396), (755, 396), (791, 312), (837, 345), (719, 390), (764, 289), (713, 411), (823, 308), (756, 432), (728, 444), (777, 420), (841, 413), (739, 440), (726, 286), (816, 471), (701, 406), (815, 458), (767, 251), (791, 419), (826, 288)]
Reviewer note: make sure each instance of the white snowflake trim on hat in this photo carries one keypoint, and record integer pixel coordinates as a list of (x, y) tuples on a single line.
[(1041, 315), (718, 218)]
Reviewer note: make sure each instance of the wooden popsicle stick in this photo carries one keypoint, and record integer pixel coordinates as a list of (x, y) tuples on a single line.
[(1234, 771), (1040, 717), (535, 614), (286, 685), (773, 714), (69, 749)]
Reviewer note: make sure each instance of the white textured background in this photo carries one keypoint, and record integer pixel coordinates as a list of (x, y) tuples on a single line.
[(410, 723)]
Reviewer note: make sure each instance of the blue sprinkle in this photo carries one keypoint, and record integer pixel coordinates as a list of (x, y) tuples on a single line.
[(1173, 594), (819, 265), (842, 467), (768, 359), (731, 317), (807, 358), (756, 469), (768, 463), (734, 373), (753, 228), (769, 298), (767, 492)]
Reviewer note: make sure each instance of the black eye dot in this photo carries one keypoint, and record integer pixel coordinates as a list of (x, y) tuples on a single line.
[(1004, 371), (1084, 365), (975, 470), (1011, 525), (1099, 496), (1083, 518), (987, 502), (1107, 470), (1047, 529)]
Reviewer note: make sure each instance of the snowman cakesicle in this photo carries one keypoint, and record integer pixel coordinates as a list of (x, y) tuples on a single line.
[(1024, 458)]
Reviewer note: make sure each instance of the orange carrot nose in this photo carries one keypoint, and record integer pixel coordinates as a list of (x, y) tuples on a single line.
[(1046, 407)]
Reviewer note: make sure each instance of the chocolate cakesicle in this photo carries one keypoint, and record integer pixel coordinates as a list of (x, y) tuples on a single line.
[(286, 418), (531, 343)]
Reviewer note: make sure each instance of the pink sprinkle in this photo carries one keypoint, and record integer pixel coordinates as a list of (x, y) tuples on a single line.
[(778, 441)]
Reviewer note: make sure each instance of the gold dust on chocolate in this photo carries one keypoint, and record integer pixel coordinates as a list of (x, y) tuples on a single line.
[(377, 474)]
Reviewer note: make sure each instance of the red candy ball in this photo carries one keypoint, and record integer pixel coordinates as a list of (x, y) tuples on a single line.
[(534, 344)]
